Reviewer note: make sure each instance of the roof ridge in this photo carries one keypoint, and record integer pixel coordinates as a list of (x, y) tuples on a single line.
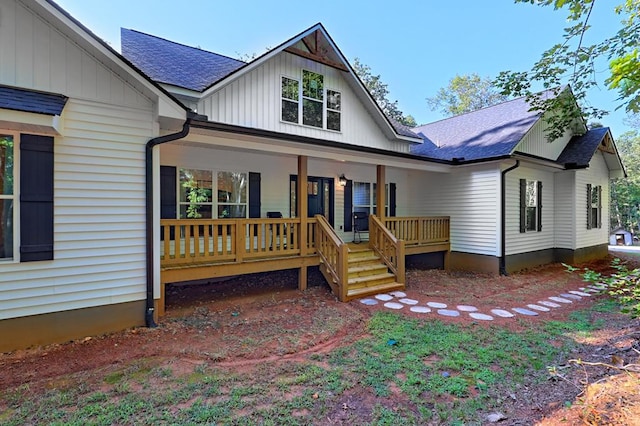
[(183, 45)]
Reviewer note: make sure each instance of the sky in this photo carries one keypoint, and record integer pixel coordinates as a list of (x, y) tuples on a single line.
[(415, 46)]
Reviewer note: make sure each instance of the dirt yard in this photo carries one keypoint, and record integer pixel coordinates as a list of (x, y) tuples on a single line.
[(253, 319)]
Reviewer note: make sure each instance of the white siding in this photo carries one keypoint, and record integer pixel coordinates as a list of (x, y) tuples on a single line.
[(535, 143), (596, 174), (517, 242), (471, 197), (254, 100), (99, 217), (565, 218), (35, 55)]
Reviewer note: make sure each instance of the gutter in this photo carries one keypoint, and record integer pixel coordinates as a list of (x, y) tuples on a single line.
[(150, 308), (503, 227)]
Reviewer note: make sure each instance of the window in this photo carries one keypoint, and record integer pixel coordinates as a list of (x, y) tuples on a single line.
[(6, 196), (365, 197), (196, 189), (530, 205), (320, 107), (594, 206)]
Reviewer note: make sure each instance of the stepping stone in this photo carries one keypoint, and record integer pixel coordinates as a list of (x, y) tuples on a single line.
[(570, 296), (448, 313), (369, 302), (420, 309), (560, 299), (393, 305), (579, 293), (383, 297), (592, 290), (398, 294), (502, 313), (538, 308), (408, 301), (524, 311), (479, 316), (466, 308), (549, 304), (437, 305)]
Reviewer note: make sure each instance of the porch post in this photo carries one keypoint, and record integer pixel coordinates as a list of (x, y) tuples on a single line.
[(380, 193), (302, 209)]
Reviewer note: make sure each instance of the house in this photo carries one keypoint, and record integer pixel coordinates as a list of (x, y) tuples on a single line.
[(167, 163), (621, 237)]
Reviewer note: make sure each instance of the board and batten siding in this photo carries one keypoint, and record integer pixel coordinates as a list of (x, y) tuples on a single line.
[(99, 217), (35, 55), (254, 100), (517, 242), (565, 214), (471, 197), (535, 142), (596, 174)]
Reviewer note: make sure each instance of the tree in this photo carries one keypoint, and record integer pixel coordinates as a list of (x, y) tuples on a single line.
[(380, 93), (572, 62), (625, 193), (466, 93)]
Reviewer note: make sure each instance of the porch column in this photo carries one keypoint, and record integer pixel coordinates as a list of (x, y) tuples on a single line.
[(380, 193), (302, 209)]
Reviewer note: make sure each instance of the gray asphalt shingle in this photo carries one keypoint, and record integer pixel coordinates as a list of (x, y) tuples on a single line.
[(580, 149), (31, 101)]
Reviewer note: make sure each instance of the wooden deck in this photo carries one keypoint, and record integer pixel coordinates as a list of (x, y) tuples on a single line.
[(196, 249)]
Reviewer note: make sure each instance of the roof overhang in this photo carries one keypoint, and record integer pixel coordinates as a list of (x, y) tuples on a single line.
[(30, 122), (168, 107)]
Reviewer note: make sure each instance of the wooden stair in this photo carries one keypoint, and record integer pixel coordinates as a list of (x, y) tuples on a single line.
[(368, 275)]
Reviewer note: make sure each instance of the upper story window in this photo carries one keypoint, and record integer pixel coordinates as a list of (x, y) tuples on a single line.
[(6, 196), (320, 107)]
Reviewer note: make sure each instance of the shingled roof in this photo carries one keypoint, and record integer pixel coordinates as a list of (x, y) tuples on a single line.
[(31, 101), (490, 132), (174, 63), (580, 149)]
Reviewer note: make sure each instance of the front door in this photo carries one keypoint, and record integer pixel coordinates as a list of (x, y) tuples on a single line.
[(320, 196)]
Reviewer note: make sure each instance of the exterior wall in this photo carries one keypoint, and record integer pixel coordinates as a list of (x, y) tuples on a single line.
[(535, 143), (517, 242), (99, 217), (35, 55), (471, 197), (596, 174), (565, 218), (254, 100)]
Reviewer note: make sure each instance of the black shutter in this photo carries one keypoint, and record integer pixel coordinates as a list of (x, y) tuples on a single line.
[(348, 206), (254, 194), (36, 198), (539, 218), (392, 200), (599, 206), (168, 197), (589, 206), (523, 205)]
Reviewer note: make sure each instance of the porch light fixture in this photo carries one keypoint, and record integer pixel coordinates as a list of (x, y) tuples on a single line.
[(342, 180)]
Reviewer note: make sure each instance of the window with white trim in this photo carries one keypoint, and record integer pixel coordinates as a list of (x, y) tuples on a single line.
[(532, 206), (594, 206), (196, 194), (320, 107), (365, 197), (7, 195)]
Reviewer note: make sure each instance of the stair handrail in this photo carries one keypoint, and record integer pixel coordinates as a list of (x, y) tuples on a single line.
[(390, 249), (334, 253)]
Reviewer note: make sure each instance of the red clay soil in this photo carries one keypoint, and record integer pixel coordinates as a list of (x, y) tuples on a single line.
[(244, 319)]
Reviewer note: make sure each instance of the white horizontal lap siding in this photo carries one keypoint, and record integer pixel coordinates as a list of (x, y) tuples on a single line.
[(535, 143), (517, 242), (99, 217), (470, 196), (596, 174), (35, 55), (565, 217), (254, 100)]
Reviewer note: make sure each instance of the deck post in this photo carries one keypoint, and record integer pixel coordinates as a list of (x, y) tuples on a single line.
[(302, 208), (380, 191), (302, 278)]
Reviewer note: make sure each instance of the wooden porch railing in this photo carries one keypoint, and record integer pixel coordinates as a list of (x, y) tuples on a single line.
[(419, 230), (388, 247), (334, 254), (199, 241)]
